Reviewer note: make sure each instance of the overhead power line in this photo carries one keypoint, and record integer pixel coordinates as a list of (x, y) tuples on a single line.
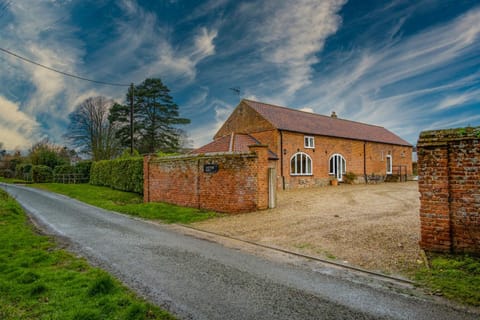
[(61, 72)]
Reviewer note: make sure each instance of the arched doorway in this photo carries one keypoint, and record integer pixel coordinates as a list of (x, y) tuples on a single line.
[(337, 166)]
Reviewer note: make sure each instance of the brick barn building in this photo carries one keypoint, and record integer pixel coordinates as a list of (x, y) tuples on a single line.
[(311, 149)]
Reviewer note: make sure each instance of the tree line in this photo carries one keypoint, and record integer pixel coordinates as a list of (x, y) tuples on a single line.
[(102, 128)]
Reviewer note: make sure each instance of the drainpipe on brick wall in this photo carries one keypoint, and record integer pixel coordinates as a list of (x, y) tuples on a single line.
[(198, 184), (281, 159), (450, 222), (365, 161)]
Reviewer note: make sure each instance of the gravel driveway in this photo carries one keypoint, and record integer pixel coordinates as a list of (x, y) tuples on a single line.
[(198, 279), (372, 226)]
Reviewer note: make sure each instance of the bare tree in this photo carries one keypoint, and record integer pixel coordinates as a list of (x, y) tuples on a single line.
[(90, 131)]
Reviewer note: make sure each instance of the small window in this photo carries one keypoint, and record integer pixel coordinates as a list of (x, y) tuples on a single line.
[(309, 142), (389, 164), (301, 164)]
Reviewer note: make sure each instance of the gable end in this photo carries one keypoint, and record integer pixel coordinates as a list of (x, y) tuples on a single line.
[(244, 120)]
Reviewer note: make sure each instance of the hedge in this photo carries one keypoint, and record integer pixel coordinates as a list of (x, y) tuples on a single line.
[(120, 174), (42, 174)]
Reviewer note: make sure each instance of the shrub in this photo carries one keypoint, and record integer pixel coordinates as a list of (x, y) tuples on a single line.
[(41, 174), (350, 177), (64, 173), (64, 169), (24, 171), (83, 168), (7, 173), (120, 174)]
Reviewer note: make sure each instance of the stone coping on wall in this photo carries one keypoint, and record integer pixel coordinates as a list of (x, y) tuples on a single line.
[(443, 137), (155, 158)]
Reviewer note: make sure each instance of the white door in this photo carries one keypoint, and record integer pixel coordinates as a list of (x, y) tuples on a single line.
[(338, 166)]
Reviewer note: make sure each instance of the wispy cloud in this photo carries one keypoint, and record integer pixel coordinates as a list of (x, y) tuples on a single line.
[(290, 35), (16, 127), (403, 83), (139, 47)]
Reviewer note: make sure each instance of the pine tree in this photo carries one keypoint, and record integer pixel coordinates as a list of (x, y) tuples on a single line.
[(156, 117)]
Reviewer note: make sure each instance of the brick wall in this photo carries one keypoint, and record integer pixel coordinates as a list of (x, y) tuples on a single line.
[(449, 185), (240, 185)]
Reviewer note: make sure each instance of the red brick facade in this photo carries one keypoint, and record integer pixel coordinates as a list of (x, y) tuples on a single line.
[(239, 185), (363, 157), (449, 184)]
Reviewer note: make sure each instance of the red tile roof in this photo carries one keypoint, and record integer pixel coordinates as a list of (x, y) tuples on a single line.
[(237, 143), (310, 123)]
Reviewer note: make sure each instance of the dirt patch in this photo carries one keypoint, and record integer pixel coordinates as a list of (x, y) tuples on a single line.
[(371, 226)]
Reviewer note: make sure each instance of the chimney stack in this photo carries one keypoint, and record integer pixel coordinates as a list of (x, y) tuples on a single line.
[(333, 115)]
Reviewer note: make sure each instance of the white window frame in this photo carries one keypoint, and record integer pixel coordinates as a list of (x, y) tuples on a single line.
[(340, 162), (297, 166), (309, 142), (389, 161)]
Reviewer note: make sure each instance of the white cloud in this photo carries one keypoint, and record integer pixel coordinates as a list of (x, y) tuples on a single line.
[(17, 129), (293, 35), (403, 84)]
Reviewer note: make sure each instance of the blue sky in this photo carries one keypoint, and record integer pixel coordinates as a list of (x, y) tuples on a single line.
[(405, 65)]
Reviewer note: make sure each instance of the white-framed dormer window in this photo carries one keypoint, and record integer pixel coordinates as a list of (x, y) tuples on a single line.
[(309, 142), (301, 164), (389, 164)]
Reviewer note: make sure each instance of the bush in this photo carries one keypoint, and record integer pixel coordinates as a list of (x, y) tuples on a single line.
[(120, 174), (7, 173), (83, 168), (24, 171), (41, 174), (64, 169), (350, 177), (65, 173)]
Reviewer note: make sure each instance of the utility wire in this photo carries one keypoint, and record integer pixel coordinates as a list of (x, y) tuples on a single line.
[(61, 72)]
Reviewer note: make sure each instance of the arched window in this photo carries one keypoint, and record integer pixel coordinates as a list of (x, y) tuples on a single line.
[(300, 164), (337, 166)]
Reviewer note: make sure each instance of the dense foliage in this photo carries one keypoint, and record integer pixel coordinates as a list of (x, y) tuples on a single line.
[(48, 154), (155, 119), (120, 174), (73, 174), (24, 171), (42, 174)]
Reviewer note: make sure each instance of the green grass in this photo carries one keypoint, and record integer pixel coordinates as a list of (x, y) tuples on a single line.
[(128, 203), (12, 180), (40, 281), (455, 277)]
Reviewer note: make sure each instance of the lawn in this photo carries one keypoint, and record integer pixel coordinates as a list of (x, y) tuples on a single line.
[(40, 281), (455, 277), (127, 202)]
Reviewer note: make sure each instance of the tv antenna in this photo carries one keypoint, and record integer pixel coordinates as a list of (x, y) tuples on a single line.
[(236, 90)]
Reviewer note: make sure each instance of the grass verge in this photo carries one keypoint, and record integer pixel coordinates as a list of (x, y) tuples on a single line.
[(12, 180), (455, 277), (127, 202), (40, 281)]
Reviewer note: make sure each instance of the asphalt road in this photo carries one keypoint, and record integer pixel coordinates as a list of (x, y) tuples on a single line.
[(198, 279)]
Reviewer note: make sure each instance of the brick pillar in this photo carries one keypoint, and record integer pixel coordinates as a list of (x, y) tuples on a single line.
[(433, 185), (262, 175)]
